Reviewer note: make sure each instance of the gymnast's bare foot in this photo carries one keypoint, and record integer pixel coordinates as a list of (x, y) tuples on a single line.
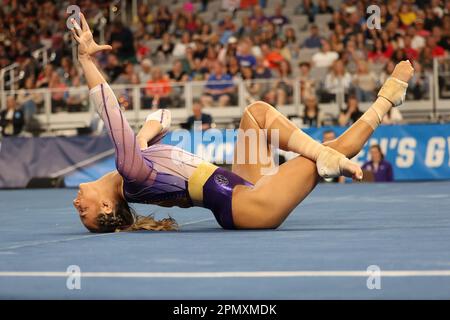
[(331, 163)]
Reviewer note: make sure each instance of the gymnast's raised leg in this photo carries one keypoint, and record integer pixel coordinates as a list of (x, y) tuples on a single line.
[(274, 196)]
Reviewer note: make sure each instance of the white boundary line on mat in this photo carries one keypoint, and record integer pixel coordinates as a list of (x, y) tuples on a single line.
[(232, 274)]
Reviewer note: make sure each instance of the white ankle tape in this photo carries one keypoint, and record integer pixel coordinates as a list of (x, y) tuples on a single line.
[(394, 90)]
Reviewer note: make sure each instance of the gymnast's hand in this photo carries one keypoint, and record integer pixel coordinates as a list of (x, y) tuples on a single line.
[(85, 40), (403, 71)]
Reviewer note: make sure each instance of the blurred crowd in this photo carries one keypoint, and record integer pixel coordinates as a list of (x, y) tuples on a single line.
[(165, 46)]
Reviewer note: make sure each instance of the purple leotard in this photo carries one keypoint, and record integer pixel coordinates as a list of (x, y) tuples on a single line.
[(155, 175), (159, 174)]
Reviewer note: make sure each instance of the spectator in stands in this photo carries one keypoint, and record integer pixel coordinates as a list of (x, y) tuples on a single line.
[(312, 116), (59, 93), (44, 76), (128, 75), (122, 38), (407, 15), (289, 36), (200, 50), (419, 85), (192, 24), (29, 101), (336, 43), (163, 18), (324, 8), (198, 119), (258, 15), (308, 8), (180, 47), (351, 114), (418, 38), (387, 71), (76, 98), (113, 68), (177, 77), (352, 55), (65, 70), (381, 52), (252, 89), (12, 119), (233, 68), (145, 70), (261, 70), (177, 74), (282, 91), (442, 35), (226, 28), (165, 49), (314, 41), (244, 54), (411, 53), (307, 82), (436, 50), (280, 46), (325, 57), (157, 87), (198, 72), (380, 168), (210, 59), (338, 80), (365, 82), (219, 88), (279, 19), (272, 58), (206, 32), (426, 58)]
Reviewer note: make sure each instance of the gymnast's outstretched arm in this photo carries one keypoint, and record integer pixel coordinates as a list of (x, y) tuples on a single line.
[(129, 160)]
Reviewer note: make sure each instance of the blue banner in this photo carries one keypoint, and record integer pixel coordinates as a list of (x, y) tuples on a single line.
[(416, 152)]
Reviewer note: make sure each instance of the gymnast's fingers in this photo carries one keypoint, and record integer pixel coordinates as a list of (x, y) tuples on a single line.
[(104, 47), (74, 34), (76, 27), (84, 24)]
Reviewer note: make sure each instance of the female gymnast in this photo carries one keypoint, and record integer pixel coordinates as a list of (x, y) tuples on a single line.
[(245, 198)]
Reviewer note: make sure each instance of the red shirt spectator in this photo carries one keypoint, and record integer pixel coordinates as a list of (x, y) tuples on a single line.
[(158, 85)]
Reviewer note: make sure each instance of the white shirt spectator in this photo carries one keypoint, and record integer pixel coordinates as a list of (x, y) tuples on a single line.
[(417, 42), (335, 84), (180, 49), (324, 59)]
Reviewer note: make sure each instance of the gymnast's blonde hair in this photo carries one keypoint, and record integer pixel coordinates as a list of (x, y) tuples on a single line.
[(125, 218)]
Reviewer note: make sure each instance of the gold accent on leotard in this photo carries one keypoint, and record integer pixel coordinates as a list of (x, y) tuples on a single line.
[(198, 179)]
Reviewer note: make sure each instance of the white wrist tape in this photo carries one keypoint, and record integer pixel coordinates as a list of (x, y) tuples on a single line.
[(163, 116), (394, 90)]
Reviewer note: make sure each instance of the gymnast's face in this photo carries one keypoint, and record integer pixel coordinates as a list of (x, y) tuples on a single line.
[(88, 205)]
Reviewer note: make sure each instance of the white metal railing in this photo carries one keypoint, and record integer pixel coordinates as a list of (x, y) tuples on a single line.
[(441, 91), (11, 75), (76, 112)]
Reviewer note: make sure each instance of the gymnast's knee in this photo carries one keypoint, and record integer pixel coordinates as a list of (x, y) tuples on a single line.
[(258, 111)]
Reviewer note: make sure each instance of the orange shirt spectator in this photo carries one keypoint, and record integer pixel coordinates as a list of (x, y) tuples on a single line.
[(158, 85)]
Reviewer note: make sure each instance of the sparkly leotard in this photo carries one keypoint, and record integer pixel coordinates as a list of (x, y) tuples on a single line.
[(163, 174)]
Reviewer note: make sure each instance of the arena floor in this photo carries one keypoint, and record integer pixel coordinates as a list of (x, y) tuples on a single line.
[(321, 252)]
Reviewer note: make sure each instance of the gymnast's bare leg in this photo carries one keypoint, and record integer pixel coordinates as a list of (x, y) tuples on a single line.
[(273, 198)]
